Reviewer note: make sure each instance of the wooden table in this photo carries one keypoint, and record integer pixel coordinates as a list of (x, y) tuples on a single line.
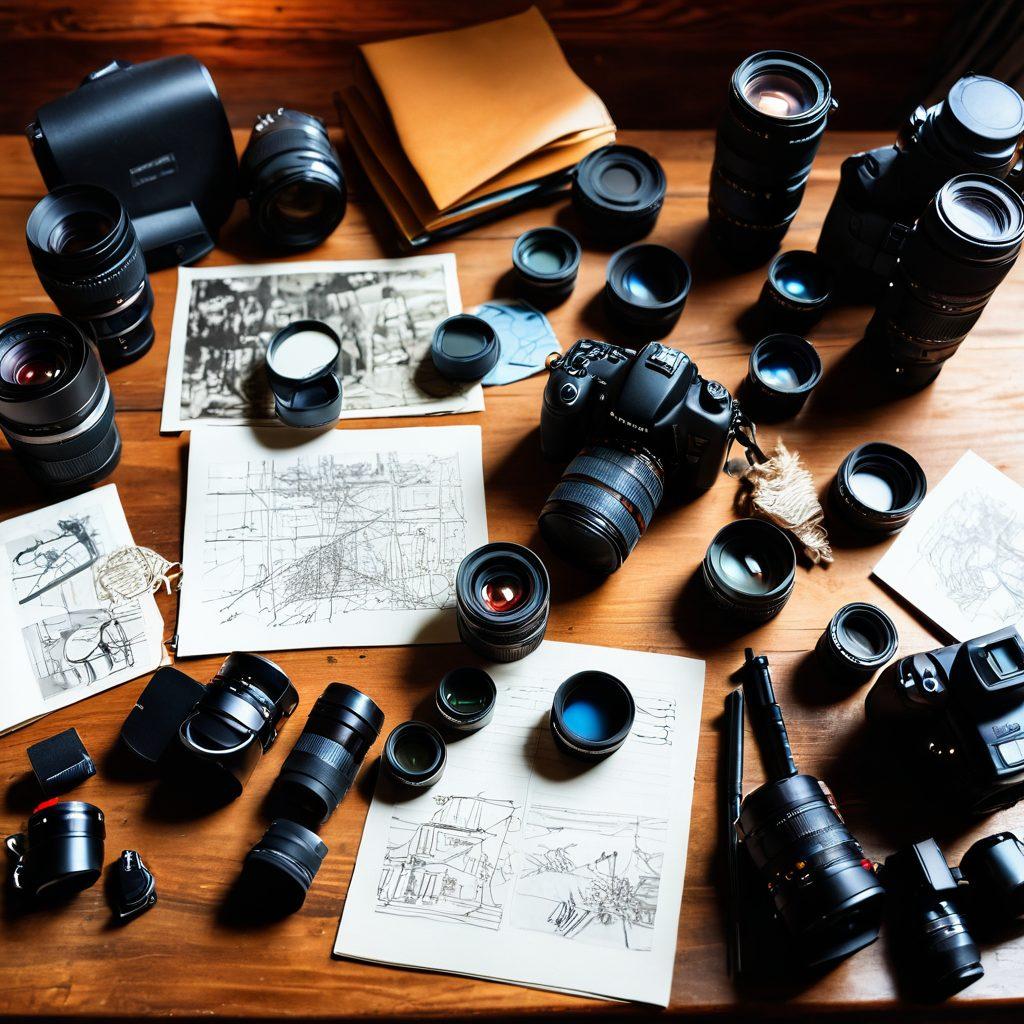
[(186, 959)]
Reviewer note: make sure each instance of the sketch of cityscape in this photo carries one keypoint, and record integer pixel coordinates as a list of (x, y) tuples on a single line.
[(307, 539), (590, 876), (454, 866)]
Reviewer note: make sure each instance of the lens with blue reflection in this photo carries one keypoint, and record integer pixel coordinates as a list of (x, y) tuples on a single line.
[(591, 715)]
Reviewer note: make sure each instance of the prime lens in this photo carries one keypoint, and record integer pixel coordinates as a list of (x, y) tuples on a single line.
[(415, 755), (646, 288), (321, 767), (859, 639), (877, 488), (56, 409), (602, 506), (618, 192), (89, 261), (783, 370), (778, 107), (591, 715), (292, 177)]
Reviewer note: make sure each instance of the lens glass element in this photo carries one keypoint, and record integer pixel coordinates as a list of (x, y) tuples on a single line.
[(503, 593), (79, 231), (778, 95), (978, 215), (31, 363), (873, 489)]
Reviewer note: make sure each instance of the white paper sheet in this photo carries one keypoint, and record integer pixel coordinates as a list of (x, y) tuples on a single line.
[(384, 312), (61, 643), (960, 560), (522, 865), (343, 538)]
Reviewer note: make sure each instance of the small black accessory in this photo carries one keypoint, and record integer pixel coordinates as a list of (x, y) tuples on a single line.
[(783, 370), (414, 755), (732, 798), (646, 288), (60, 853), (321, 767), (56, 407), (749, 569), (641, 419), (133, 888), (302, 364), (797, 290), (877, 488), (154, 134), (292, 177), (823, 888), (465, 347), (618, 192), (994, 868), (591, 715), (953, 716), (502, 601), (465, 699), (280, 868), (152, 724), (61, 762), (546, 261), (857, 642)]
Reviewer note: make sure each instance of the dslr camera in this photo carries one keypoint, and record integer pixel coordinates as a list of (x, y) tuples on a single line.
[(628, 421), (958, 715)]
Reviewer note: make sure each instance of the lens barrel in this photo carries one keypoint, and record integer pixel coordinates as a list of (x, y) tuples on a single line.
[(796, 291), (322, 765), (645, 289), (546, 261), (89, 261), (877, 488), (994, 868), (292, 177), (961, 248), (56, 408), (779, 104), (783, 370), (280, 868)]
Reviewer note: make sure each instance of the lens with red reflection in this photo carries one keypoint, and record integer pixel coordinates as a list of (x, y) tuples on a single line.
[(503, 596)]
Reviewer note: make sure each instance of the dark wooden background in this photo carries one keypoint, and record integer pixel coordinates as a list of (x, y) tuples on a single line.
[(656, 63)]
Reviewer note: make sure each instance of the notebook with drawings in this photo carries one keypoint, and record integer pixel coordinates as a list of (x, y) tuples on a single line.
[(523, 866)]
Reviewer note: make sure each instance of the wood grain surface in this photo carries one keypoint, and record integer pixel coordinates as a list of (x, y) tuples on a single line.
[(189, 958), (657, 63)]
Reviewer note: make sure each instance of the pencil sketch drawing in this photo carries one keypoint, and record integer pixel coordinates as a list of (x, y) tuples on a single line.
[(590, 876), (453, 866), (46, 560), (307, 539)]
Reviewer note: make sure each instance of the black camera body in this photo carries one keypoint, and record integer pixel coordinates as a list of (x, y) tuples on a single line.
[(958, 715), (653, 400), (156, 135)]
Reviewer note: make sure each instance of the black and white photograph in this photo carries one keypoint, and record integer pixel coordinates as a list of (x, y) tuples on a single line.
[(383, 311)]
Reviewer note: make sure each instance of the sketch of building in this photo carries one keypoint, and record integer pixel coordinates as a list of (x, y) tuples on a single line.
[(43, 561), (307, 539), (454, 866), (590, 876)]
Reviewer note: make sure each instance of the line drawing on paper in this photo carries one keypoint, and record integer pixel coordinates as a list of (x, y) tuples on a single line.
[(590, 876), (43, 561), (307, 539), (975, 552), (454, 866)]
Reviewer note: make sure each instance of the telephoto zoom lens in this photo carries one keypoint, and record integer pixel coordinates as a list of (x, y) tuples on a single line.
[(56, 409), (89, 261), (322, 765), (961, 248), (778, 107), (292, 177)]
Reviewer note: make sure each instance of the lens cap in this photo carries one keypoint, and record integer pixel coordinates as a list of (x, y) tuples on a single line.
[(797, 289), (415, 755), (646, 288), (465, 347), (591, 715), (878, 487), (987, 109), (546, 261), (858, 641), (301, 362), (280, 868), (782, 372), (618, 192)]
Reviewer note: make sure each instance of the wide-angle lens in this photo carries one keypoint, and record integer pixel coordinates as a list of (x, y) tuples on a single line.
[(56, 409), (877, 488), (89, 261)]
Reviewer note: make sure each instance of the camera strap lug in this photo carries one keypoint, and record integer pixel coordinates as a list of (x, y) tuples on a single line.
[(744, 430)]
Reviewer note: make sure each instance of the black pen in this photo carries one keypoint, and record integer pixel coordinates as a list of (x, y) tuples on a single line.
[(732, 796)]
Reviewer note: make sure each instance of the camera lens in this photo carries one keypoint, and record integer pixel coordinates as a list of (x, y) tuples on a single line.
[(280, 868), (778, 105), (857, 642), (994, 867), (61, 851), (591, 715), (292, 177), (546, 261), (646, 288), (960, 249), (56, 409), (322, 765), (782, 372), (618, 192), (797, 289), (464, 347), (415, 755), (602, 506), (502, 600), (878, 487), (820, 882), (89, 261), (235, 721), (301, 361), (465, 699), (750, 569)]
